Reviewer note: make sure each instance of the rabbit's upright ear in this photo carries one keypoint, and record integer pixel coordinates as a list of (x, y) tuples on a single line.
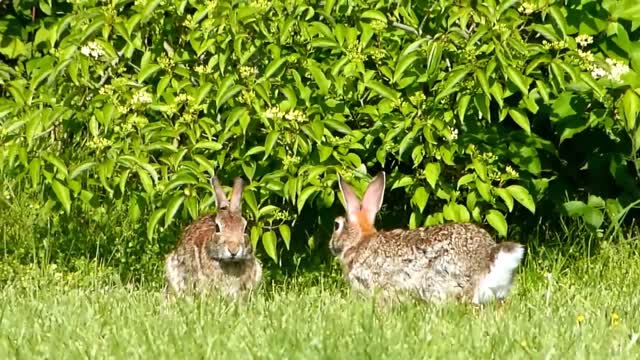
[(352, 203), (236, 196), (221, 198), (373, 196)]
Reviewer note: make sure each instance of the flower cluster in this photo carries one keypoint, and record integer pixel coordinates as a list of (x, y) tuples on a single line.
[(377, 54), (262, 4), (511, 172), (378, 25), (354, 53), (141, 97), (453, 134), (617, 69), (276, 113), (584, 40), (247, 96), (555, 45), (98, 143), (183, 98), (528, 8), (92, 49), (248, 71)]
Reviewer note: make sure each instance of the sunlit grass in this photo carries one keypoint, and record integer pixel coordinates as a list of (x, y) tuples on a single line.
[(584, 307)]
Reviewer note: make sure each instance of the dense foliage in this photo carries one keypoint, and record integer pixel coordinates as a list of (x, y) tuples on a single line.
[(478, 111)]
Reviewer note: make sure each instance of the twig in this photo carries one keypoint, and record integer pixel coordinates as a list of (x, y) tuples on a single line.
[(405, 27), (424, 20), (48, 130)]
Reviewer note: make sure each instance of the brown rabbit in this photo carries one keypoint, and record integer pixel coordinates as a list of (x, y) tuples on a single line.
[(437, 263), (214, 252)]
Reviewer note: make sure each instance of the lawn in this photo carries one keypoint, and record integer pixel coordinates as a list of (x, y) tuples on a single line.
[(564, 306)]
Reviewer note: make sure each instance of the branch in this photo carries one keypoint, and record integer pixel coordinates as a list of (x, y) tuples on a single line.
[(404, 27)]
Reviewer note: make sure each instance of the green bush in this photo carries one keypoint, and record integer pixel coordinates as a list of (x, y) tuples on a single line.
[(478, 111)]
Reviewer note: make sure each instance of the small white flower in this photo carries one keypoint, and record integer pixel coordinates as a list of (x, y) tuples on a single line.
[(598, 72), (618, 69), (586, 56), (527, 8), (141, 97), (92, 49), (454, 133), (584, 40)]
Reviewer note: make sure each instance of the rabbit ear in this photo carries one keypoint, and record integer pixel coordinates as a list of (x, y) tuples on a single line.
[(351, 200), (373, 196), (221, 198), (236, 196)]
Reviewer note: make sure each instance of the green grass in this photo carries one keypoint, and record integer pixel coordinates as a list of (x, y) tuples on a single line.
[(317, 318)]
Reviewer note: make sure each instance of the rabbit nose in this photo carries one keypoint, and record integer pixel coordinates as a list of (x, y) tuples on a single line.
[(233, 250)]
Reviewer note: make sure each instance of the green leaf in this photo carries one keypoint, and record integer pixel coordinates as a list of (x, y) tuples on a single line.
[(153, 222), (250, 199), (432, 173), (593, 216), (149, 9), (324, 43), (403, 63), (520, 118), (482, 79), (269, 241), (574, 208), (62, 193), (304, 195), (172, 207), (630, 108), (320, 78), (522, 196), (285, 232), (254, 150), (465, 179), (374, 14), (226, 90), (454, 79), (434, 57), (382, 90), (484, 189), (59, 164), (146, 181), (270, 141), (34, 172), (506, 197), (560, 19), (420, 197), (518, 79), (147, 70), (273, 67), (462, 106), (82, 168), (497, 221)]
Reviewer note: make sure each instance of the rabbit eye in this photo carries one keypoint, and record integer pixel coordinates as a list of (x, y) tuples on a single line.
[(337, 225)]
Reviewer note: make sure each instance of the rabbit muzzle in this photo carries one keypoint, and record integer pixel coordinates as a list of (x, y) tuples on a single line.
[(230, 250)]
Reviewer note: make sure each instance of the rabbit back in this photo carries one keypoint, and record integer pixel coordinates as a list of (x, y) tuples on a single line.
[(434, 263)]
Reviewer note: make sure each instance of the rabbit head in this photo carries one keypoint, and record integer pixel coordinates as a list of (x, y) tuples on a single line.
[(229, 243), (359, 222)]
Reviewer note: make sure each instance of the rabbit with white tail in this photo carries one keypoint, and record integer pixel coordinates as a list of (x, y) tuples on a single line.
[(436, 263), (214, 253)]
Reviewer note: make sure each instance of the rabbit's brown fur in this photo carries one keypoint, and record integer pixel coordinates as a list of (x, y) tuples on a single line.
[(434, 263), (214, 253)]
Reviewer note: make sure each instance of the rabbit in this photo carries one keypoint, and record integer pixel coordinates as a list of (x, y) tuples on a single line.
[(455, 261), (214, 253)]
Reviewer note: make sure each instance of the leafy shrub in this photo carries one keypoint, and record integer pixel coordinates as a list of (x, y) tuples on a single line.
[(477, 110)]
